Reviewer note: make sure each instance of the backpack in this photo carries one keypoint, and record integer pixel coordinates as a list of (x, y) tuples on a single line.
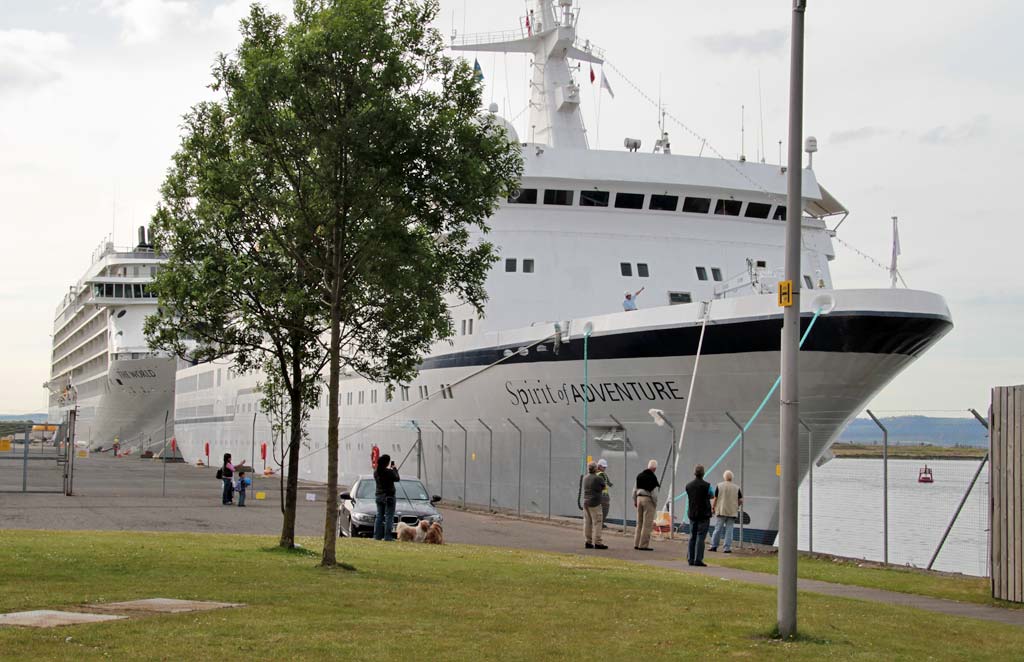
[(220, 474)]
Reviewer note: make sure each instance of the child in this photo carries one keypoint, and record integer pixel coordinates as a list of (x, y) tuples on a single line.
[(240, 488)]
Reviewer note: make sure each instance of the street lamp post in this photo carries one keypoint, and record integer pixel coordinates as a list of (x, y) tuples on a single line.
[(789, 404)]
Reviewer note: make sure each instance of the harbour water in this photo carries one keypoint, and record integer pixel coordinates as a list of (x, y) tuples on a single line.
[(848, 513)]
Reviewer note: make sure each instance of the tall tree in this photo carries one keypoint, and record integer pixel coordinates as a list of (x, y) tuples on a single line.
[(227, 290), (390, 172)]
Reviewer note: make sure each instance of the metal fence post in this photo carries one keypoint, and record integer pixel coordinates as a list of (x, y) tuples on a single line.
[(625, 474), (885, 488), (543, 425), (519, 475), (810, 486), (490, 464), (24, 462), (963, 499), (743, 455), (441, 430), (659, 415), (163, 456), (465, 460)]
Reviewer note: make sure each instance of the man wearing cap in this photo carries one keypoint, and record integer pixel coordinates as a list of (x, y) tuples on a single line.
[(643, 499), (606, 497), (592, 519), (630, 302)]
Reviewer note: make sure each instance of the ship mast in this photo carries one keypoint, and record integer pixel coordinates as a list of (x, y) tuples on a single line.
[(548, 32)]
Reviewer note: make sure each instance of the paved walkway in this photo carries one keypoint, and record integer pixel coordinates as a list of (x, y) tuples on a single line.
[(125, 495)]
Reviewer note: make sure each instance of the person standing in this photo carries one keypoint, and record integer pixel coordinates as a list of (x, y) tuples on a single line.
[(243, 482), (606, 497), (643, 499), (726, 505), (630, 301), (592, 516), (698, 496), (227, 470), (385, 475)]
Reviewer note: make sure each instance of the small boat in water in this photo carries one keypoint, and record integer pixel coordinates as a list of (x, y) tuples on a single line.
[(924, 475)]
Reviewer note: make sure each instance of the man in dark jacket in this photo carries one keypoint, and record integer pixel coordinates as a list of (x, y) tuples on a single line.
[(643, 499), (698, 503), (593, 518), (385, 475)]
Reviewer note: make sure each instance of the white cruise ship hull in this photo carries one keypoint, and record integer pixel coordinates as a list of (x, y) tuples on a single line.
[(636, 361), (130, 405)]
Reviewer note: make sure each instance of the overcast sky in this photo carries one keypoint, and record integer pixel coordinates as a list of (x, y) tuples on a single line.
[(916, 105)]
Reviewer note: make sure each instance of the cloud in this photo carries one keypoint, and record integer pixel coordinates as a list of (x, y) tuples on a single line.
[(763, 42), (146, 21), (860, 133), (29, 58), (977, 127)]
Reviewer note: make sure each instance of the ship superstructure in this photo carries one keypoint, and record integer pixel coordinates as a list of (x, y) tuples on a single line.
[(556, 371), (101, 361)]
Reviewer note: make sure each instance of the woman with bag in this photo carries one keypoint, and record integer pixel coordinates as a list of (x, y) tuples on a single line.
[(226, 471)]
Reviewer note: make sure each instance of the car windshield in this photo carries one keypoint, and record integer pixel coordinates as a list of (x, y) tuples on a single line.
[(412, 490)]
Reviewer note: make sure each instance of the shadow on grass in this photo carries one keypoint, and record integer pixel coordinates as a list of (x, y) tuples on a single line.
[(799, 638), (293, 551)]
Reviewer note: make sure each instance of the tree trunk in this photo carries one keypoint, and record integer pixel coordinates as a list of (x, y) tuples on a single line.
[(333, 402), (294, 446)]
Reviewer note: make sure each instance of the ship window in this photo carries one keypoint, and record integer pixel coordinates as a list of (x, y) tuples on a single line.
[(373, 396), (626, 268), (702, 273), (523, 196), (676, 298), (510, 264), (119, 290), (558, 197), (808, 282), (471, 326), (664, 202), (108, 290), (761, 264), (728, 207), (405, 394), (463, 328), (362, 397), (152, 271), (716, 274), (593, 198), (527, 266), (629, 200), (697, 205), (449, 389), (780, 213), (121, 313), (444, 392), (348, 398), (641, 270), (757, 210), (97, 290), (138, 291)]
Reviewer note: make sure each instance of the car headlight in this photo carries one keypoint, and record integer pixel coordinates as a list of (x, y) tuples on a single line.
[(434, 518), (363, 517)]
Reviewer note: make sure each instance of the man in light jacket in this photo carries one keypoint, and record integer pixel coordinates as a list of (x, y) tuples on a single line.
[(726, 504), (593, 518)]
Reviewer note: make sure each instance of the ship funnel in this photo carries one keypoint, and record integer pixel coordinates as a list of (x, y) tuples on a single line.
[(142, 235)]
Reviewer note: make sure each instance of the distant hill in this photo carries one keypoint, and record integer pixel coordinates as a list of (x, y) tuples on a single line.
[(35, 418), (918, 429)]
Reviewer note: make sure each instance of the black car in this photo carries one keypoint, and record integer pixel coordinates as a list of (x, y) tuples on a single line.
[(358, 507)]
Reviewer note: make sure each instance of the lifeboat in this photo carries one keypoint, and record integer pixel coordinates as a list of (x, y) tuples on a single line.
[(924, 475)]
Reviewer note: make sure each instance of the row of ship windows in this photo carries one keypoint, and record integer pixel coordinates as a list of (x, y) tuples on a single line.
[(122, 291), (643, 271), (656, 202), (403, 393)]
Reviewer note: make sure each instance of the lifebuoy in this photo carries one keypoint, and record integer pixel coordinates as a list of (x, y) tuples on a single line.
[(374, 456)]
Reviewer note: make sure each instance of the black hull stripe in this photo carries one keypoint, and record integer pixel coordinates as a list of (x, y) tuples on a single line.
[(863, 333)]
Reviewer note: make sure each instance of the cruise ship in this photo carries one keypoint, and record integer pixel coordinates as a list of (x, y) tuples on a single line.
[(557, 371), (101, 362)]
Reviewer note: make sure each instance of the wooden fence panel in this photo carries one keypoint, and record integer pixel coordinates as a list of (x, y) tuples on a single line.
[(1006, 492)]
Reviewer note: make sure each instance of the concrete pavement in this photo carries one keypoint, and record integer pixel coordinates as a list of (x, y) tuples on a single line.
[(124, 494)]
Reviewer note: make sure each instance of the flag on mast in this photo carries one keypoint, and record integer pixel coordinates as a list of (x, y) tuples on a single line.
[(604, 82), (477, 71), (592, 76)]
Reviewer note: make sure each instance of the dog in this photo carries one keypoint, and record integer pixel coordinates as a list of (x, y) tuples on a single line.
[(435, 535), (409, 533)]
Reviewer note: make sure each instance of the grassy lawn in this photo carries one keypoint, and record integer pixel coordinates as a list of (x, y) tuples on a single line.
[(433, 603), (902, 580)]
